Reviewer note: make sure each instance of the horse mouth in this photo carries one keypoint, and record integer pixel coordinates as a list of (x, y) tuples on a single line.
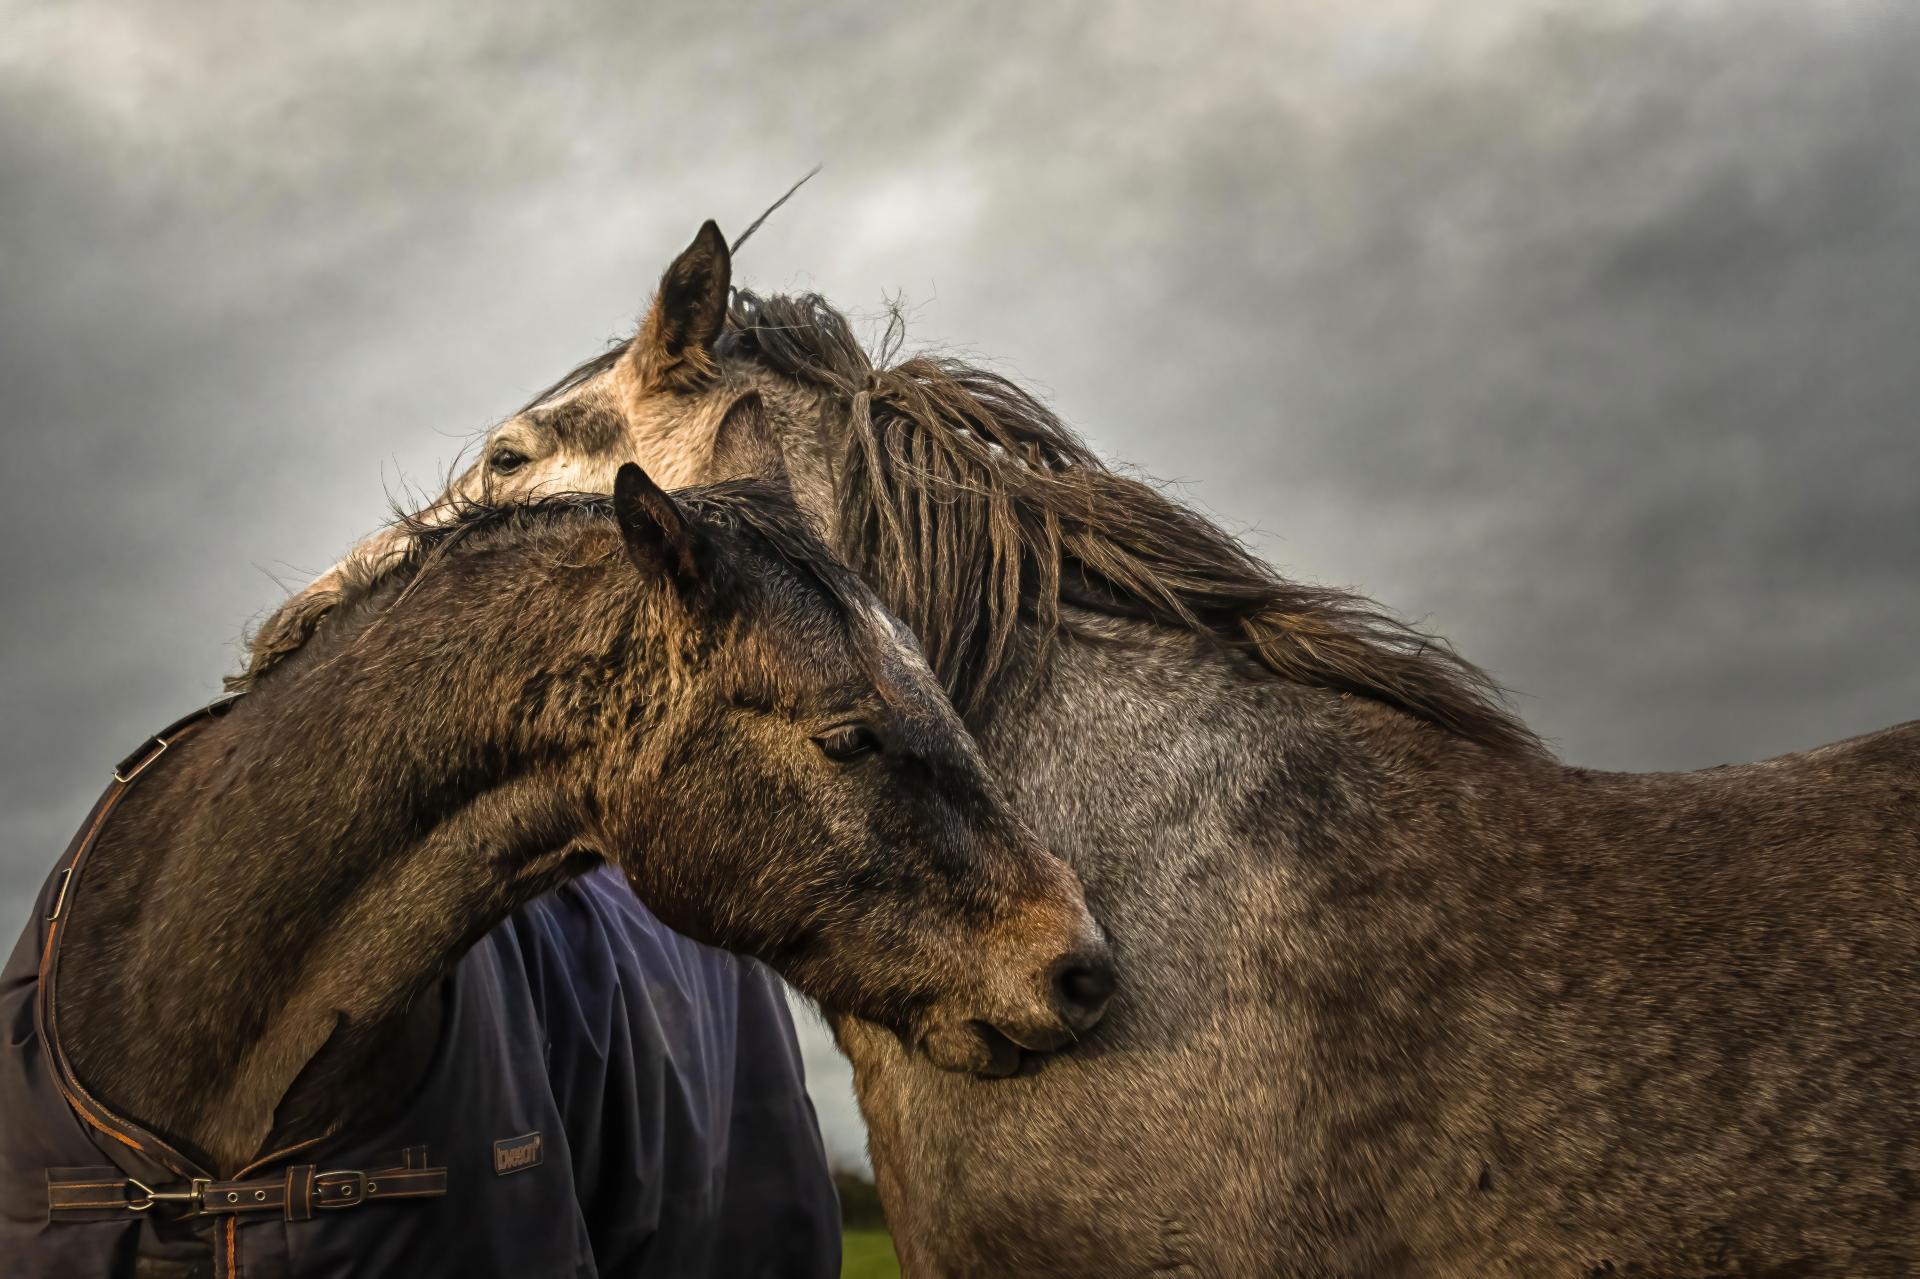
[(1079, 986), (979, 1047), (1033, 1039)]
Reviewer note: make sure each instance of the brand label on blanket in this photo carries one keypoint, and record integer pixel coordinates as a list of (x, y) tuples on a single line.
[(512, 1154)]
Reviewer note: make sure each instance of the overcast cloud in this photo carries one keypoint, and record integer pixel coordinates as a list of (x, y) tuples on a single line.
[(1586, 332)]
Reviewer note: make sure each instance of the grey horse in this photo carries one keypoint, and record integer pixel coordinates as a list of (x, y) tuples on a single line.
[(1402, 994)]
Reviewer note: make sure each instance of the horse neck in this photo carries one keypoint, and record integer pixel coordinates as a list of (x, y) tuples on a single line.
[(1140, 751), (297, 875), (1127, 731), (1280, 869)]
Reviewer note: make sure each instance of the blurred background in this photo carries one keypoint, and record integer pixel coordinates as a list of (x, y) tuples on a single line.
[(1588, 333)]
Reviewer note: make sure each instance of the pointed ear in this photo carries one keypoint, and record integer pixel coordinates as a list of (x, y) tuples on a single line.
[(659, 540), (744, 446), (674, 348)]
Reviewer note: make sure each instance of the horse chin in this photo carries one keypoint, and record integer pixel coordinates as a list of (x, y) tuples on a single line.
[(971, 1048), (984, 1048)]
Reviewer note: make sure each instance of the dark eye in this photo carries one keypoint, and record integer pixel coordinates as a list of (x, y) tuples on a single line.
[(848, 742), (505, 461)]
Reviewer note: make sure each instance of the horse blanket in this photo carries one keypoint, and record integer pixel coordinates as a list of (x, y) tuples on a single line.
[(607, 1098)]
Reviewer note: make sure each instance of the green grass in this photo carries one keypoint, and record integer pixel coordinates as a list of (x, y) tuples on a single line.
[(867, 1254)]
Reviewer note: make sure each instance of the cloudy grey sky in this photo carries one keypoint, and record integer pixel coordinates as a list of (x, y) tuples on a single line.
[(1588, 332)]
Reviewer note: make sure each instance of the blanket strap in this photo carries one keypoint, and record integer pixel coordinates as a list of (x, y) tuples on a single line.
[(94, 1194)]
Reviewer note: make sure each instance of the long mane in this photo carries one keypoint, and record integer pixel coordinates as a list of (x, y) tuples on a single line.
[(970, 507)]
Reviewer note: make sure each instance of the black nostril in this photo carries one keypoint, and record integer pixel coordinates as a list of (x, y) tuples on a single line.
[(1086, 986), (1081, 987)]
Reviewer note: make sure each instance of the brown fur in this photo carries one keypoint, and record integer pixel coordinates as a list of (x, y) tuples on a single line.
[(503, 706), (1403, 995)]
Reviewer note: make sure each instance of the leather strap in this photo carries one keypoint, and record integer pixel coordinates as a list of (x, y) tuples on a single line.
[(121, 1140), (89, 1194), (147, 1174)]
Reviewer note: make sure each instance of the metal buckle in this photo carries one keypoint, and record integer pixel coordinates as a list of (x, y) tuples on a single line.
[(60, 898), (138, 762), (347, 1193), (194, 1195), (156, 746)]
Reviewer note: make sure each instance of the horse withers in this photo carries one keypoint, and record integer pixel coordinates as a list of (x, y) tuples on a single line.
[(249, 942)]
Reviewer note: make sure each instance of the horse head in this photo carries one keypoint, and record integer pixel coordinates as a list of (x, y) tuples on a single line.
[(695, 407), (808, 795)]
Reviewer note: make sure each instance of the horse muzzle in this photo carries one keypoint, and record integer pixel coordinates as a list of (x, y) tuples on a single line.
[(1066, 1001)]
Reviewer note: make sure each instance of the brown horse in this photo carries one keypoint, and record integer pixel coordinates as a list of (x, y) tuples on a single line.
[(737, 725), (1404, 995)]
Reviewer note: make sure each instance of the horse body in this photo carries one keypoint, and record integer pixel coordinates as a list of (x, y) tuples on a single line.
[(1395, 1004), (1404, 995)]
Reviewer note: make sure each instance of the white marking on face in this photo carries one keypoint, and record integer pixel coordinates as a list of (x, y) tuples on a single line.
[(670, 438)]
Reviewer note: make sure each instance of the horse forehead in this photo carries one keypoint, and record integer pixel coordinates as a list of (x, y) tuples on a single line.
[(604, 420), (587, 419), (585, 423)]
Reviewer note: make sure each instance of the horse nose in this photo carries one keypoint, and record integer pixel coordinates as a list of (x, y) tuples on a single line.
[(1082, 985)]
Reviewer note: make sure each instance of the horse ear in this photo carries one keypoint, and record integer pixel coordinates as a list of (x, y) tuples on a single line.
[(659, 540), (743, 444), (674, 348)]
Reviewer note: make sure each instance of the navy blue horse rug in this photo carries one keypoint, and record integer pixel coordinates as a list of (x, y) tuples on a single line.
[(606, 1098)]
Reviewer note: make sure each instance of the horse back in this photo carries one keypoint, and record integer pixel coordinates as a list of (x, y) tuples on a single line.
[(1684, 1034), (1847, 809)]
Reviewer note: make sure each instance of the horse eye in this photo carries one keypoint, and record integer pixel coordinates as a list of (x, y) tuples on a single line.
[(848, 742), (505, 461)]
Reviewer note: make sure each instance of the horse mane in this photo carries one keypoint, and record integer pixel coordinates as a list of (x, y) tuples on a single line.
[(757, 508), (969, 506)]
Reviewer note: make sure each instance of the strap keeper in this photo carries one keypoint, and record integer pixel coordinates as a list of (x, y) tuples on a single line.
[(141, 760), (300, 1192)]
